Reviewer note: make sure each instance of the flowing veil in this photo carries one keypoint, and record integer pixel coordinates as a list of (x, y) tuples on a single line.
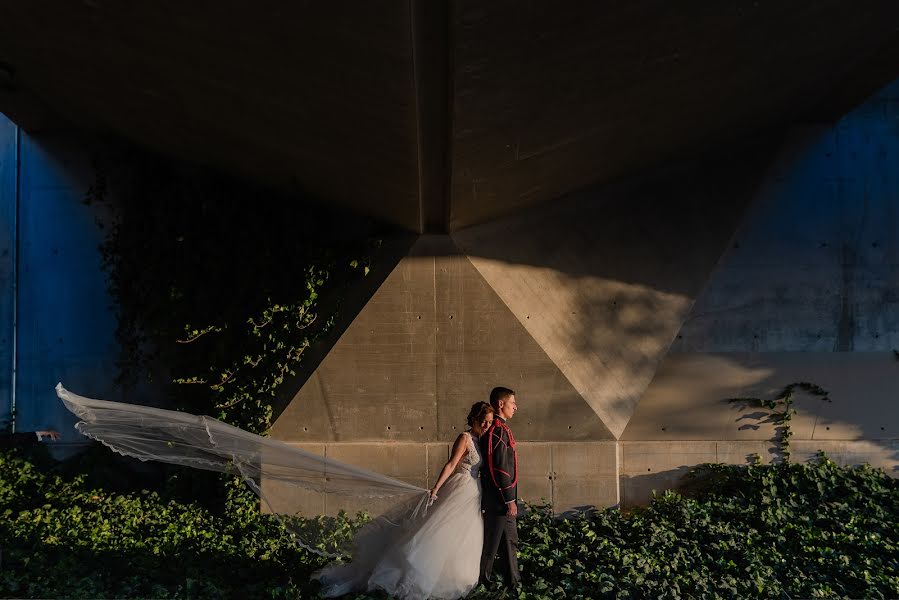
[(202, 442)]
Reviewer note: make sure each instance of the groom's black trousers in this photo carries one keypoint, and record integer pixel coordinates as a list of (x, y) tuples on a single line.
[(500, 537)]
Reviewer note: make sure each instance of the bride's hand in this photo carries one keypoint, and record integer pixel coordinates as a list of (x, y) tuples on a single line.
[(433, 497)]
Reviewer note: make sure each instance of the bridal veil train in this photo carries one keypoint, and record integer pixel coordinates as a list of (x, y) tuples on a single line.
[(411, 551), (148, 433)]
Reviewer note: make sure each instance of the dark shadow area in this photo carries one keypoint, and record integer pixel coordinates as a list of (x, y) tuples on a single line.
[(620, 266), (61, 570), (199, 264), (110, 473), (111, 528), (348, 300), (663, 230), (638, 490)]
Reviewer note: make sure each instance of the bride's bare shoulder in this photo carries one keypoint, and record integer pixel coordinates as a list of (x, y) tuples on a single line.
[(461, 443)]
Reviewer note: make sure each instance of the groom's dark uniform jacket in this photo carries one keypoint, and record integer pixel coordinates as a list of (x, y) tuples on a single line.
[(499, 475), (499, 485)]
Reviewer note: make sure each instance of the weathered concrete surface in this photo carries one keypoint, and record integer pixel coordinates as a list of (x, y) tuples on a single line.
[(289, 499), (297, 96), (377, 383), (406, 462), (433, 340), (604, 279), (550, 99), (883, 454), (688, 399), (567, 475), (806, 291), (585, 475), (574, 305), (438, 454), (814, 266), (388, 108), (571, 475), (656, 457), (652, 467), (535, 472), (686, 414)]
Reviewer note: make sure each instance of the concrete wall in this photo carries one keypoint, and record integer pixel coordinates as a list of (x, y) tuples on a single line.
[(604, 279), (566, 475), (549, 100), (624, 317), (808, 290), (64, 326), (433, 340), (8, 209), (573, 306), (632, 313)]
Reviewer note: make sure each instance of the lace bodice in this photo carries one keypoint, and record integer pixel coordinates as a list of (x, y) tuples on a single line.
[(471, 462)]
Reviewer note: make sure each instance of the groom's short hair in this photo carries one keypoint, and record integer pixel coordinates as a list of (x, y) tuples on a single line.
[(497, 394)]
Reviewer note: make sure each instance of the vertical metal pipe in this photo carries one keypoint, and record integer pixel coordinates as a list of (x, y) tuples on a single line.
[(15, 273)]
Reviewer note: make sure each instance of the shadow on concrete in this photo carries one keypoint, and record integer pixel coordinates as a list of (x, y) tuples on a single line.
[(619, 267), (638, 490), (350, 300), (663, 230)]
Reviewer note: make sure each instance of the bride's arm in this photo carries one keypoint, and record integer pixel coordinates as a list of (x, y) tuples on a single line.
[(459, 450)]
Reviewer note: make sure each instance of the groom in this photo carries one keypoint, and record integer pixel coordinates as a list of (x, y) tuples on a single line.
[(499, 486)]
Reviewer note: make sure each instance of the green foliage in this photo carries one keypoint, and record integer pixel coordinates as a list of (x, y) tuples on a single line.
[(217, 284), (61, 538), (759, 531)]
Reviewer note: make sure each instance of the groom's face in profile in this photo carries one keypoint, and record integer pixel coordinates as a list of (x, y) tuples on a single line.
[(507, 407)]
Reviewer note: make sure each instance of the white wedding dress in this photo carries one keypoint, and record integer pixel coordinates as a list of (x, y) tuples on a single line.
[(409, 551), (437, 558)]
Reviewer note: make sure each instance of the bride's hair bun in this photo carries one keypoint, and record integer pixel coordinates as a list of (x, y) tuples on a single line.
[(479, 412)]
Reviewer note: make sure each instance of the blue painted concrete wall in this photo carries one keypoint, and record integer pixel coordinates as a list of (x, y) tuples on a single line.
[(807, 291), (64, 321), (814, 266), (8, 174)]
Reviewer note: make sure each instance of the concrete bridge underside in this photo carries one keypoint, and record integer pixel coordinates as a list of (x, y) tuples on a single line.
[(608, 208)]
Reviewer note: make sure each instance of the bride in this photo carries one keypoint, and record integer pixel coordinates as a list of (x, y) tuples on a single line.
[(439, 557), (427, 545)]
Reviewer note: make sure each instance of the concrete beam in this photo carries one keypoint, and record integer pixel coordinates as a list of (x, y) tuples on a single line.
[(436, 115), (315, 97), (550, 100)]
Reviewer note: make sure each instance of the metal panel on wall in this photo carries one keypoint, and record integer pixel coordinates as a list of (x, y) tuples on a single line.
[(65, 325), (8, 169)]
